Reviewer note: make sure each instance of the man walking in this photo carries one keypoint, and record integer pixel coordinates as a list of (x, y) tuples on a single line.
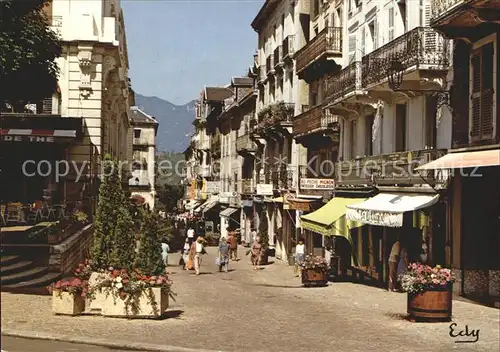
[(393, 265), (233, 242), (190, 234)]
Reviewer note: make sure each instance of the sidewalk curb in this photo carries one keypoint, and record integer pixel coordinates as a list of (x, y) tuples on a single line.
[(132, 346)]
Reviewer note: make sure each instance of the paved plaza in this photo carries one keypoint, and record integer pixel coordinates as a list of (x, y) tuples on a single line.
[(268, 310)]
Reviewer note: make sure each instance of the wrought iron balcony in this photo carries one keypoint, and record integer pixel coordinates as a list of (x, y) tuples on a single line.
[(278, 57), (270, 65), (388, 169), (314, 120), (345, 83), (457, 18), (275, 115), (244, 144), (443, 7), (326, 44), (421, 48), (288, 47)]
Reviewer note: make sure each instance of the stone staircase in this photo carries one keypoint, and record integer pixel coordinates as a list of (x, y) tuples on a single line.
[(20, 275)]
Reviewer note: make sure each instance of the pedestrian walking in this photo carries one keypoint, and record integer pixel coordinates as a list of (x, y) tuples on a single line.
[(300, 250), (190, 234), (199, 251), (233, 242), (185, 254), (223, 255), (256, 253), (165, 248), (393, 265)]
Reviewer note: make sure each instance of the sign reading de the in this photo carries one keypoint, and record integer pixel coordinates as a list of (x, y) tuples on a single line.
[(31, 139)]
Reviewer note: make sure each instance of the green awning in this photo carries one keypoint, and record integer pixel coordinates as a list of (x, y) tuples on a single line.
[(330, 219)]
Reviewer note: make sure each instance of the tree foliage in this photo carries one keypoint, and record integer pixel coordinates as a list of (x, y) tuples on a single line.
[(149, 260), (168, 195), (28, 49), (114, 241)]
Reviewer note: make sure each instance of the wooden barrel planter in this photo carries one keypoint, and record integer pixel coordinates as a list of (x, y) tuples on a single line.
[(314, 277), (431, 305)]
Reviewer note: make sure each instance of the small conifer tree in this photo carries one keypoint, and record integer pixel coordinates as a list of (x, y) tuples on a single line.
[(263, 229), (106, 215), (149, 260), (123, 251)]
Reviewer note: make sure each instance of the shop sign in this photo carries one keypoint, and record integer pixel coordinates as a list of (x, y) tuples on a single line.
[(265, 189), (212, 187), (377, 218), (34, 139), (317, 183), (297, 205)]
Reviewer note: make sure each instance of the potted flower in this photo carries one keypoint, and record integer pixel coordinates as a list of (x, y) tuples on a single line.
[(314, 270), (68, 296), (132, 294), (429, 292)]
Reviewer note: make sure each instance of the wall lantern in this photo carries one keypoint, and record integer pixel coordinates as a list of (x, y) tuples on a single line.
[(395, 74)]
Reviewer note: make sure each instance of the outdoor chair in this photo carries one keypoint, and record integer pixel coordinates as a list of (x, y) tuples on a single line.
[(45, 212), (14, 213), (34, 212)]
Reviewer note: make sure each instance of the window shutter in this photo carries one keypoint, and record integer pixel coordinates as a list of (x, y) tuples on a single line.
[(487, 55), (363, 40), (475, 129), (391, 24), (375, 34), (427, 14), (352, 47)]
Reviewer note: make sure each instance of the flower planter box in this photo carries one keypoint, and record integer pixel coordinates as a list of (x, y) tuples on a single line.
[(151, 303), (317, 277), (67, 303), (431, 305)]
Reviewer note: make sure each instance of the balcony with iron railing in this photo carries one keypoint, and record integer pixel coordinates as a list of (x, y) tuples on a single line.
[(270, 65), (422, 48), (345, 84), (278, 57), (288, 47), (389, 169), (327, 44), (245, 144), (276, 115), (143, 141), (314, 120), (457, 18)]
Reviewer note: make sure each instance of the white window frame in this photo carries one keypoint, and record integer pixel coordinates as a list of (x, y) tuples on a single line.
[(492, 38)]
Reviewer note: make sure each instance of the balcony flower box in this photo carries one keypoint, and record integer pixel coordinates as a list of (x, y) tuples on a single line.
[(429, 292)]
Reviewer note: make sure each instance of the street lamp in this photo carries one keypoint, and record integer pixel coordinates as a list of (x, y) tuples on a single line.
[(395, 74)]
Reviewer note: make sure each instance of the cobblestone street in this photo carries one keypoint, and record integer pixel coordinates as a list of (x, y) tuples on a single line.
[(268, 310)]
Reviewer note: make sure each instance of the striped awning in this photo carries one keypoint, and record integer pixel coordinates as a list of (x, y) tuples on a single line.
[(39, 133)]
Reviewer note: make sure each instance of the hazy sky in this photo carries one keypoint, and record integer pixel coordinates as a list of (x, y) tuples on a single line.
[(177, 47)]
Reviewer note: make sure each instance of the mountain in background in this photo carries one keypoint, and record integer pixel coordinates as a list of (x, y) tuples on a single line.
[(174, 121)]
